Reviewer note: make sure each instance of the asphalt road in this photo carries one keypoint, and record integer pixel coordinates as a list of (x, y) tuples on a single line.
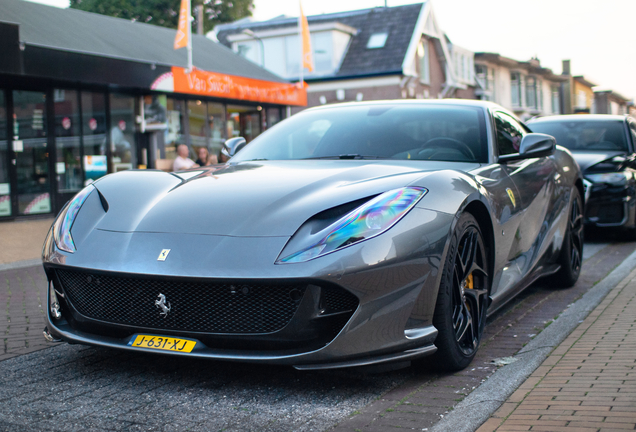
[(71, 387)]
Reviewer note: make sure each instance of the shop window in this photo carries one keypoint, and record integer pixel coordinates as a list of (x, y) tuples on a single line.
[(68, 167), (122, 132), (5, 189), (29, 141), (243, 121), (216, 119), (197, 126), (94, 136), (175, 133), (273, 116)]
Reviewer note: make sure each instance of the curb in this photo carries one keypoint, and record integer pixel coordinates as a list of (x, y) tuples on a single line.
[(21, 264), (489, 396)]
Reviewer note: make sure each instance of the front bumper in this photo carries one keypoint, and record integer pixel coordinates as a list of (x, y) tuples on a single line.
[(274, 348), (610, 210), (396, 294)]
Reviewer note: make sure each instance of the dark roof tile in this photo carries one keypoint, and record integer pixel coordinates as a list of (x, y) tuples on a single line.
[(398, 21)]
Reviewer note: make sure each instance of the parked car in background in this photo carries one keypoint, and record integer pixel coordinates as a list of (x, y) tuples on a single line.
[(604, 147), (346, 235)]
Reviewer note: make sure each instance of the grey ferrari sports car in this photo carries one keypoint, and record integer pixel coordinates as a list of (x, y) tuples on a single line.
[(346, 235)]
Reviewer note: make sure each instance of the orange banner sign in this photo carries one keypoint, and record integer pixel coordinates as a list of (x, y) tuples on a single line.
[(205, 83), (308, 61), (183, 32)]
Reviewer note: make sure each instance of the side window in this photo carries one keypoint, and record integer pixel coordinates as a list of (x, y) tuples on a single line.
[(509, 133)]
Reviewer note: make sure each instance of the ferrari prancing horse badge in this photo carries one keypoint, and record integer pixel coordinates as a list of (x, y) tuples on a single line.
[(511, 195), (163, 255)]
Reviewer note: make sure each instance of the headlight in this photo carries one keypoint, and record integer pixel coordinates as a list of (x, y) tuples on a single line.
[(64, 222), (615, 179), (367, 221)]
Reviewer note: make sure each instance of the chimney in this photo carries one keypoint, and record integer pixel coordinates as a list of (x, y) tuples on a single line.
[(566, 67), (567, 87)]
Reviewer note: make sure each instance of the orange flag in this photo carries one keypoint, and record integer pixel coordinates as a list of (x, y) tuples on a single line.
[(183, 34), (308, 61)]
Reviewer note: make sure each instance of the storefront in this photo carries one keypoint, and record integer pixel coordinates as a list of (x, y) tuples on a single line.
[(70, 114)]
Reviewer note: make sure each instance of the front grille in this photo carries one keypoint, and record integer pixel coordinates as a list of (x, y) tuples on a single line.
[(194, 306), (606, 212)]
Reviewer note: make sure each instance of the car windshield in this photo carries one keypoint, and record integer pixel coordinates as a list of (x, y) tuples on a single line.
[(579, 135), (416, 132)]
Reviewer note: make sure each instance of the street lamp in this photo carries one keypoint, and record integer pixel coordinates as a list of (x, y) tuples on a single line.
[(251, 34)]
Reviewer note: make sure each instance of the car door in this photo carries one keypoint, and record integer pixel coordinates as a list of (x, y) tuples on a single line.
[(533, 196)]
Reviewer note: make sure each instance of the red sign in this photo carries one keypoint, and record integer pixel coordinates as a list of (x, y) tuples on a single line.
[(205, 83), (92, 124), (66, 123)]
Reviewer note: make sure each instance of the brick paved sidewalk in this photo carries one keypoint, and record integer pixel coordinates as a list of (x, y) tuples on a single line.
[(588, 383), (22, 307), (22, 240)]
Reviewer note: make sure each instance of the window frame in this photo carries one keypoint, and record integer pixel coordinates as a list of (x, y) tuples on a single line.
[(518, 92)]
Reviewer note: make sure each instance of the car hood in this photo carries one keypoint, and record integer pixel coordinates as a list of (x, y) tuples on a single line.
[(271, 198), (589, 159)]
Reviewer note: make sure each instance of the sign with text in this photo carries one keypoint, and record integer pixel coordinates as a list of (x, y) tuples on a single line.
[(214, 84)]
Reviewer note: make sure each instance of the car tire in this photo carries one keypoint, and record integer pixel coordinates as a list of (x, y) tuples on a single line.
[(463, 297), (571, 256)]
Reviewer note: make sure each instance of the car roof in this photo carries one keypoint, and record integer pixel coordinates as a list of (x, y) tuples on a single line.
[(397, 102), (578, 117)]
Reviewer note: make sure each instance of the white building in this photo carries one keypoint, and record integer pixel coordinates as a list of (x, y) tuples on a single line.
[(525, 88)]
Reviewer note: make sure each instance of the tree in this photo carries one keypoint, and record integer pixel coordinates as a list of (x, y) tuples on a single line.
[(166, 12)]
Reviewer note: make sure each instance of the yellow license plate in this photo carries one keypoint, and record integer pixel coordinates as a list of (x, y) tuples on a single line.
[(163, 343)]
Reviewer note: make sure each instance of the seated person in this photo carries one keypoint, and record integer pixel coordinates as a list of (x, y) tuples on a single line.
[(204, 156), (182, 161)]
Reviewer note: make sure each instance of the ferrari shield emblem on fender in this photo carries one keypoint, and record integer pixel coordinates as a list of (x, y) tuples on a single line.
[(163, 255), (512, 197)]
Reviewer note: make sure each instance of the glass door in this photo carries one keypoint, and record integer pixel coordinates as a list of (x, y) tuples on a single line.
[(31, 152), (5, 188), (243, 121)]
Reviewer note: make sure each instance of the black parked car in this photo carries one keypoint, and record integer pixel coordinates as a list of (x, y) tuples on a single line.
[(604, 147)]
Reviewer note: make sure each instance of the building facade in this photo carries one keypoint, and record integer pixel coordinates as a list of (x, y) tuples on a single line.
[(526, 88), (371, 54), (610, 102), (83, 95)]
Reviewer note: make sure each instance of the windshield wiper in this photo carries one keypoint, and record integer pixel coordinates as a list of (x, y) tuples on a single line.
[(346, 156)]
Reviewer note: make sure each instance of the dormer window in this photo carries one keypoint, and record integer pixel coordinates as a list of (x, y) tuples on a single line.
[(377, 40), (279, 49)]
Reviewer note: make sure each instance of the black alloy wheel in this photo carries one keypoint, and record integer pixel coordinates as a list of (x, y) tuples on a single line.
[(462, 301), (571, 256)]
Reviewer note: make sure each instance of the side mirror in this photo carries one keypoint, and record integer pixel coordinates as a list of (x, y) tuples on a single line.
[(232, 146), (533, 145)]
